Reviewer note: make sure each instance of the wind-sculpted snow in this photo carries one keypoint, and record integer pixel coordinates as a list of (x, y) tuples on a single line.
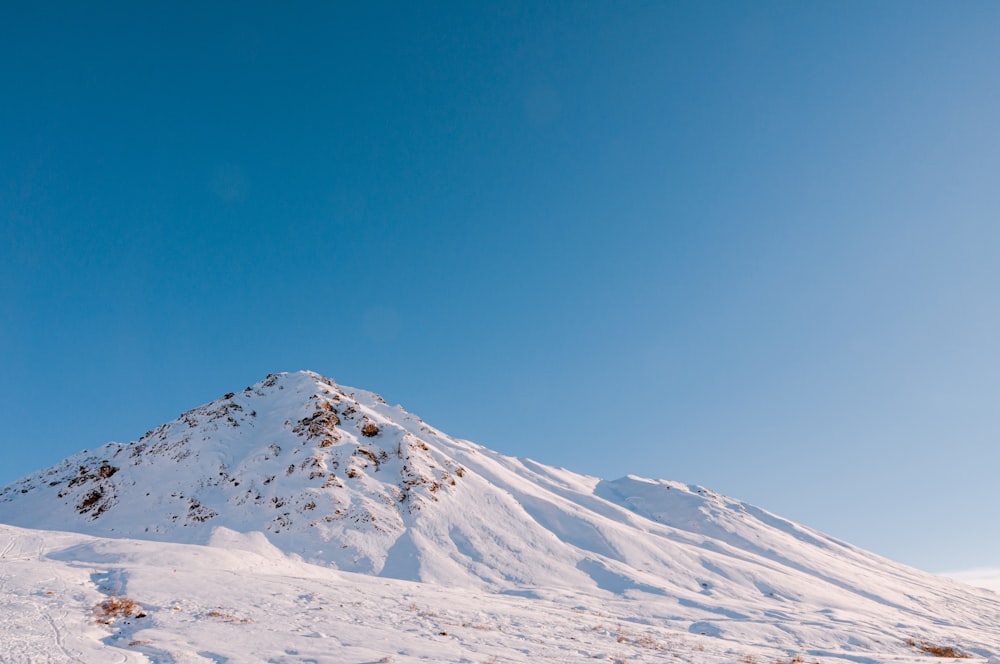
[(354, 489)]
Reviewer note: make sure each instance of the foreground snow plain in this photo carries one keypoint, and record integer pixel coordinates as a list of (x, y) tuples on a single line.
[(242, 600), (302, 521)]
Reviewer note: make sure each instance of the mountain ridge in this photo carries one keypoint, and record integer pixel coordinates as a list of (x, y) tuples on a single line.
[(338, 477)]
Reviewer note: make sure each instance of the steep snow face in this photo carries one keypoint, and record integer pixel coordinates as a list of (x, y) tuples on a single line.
[(337, 476)]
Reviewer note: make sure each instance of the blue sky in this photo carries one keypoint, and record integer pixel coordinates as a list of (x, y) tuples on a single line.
[(747, 245)]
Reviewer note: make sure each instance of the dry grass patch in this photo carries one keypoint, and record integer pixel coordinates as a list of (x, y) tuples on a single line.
[(226, 616), (116, 608), (937, 651)]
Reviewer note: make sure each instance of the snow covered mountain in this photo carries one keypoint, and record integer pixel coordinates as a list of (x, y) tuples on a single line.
[(335, 477)]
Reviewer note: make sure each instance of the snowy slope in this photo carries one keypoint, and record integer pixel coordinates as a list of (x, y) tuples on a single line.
[(355, 489), (242, 600)]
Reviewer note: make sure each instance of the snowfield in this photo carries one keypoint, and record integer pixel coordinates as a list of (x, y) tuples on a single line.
[(242, 600), (302, 521)]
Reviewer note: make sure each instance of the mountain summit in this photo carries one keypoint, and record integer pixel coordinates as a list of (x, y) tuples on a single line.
[(331, 473), (340, 478)]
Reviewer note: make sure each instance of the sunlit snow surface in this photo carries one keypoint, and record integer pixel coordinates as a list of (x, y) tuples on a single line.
[(302, 521)]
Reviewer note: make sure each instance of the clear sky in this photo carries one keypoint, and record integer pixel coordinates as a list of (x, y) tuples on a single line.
[(750, 245)]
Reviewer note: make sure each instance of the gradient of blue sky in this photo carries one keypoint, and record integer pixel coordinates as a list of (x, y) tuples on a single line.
[(748, 245)]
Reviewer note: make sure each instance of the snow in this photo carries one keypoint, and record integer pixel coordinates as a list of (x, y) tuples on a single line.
[(242, 600), (299, 520)]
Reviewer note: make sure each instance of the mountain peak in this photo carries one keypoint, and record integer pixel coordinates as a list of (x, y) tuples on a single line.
[(338, 477), (294, 455)]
